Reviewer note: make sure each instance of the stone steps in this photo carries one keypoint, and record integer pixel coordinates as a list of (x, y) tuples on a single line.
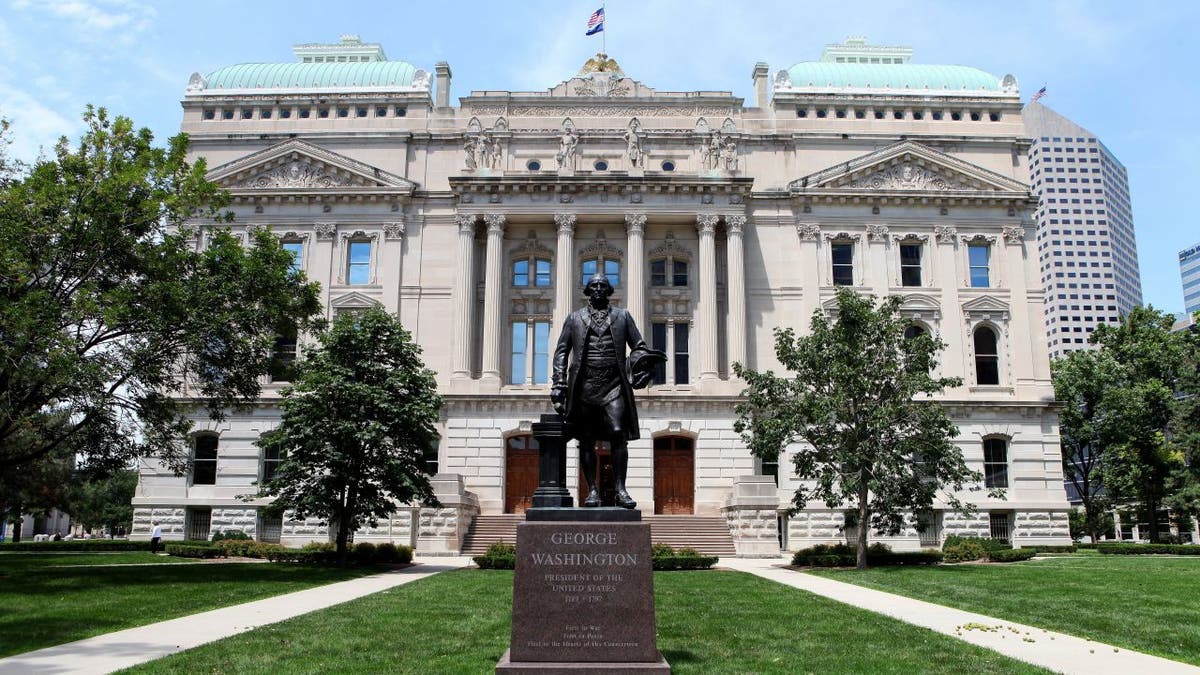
[(707, 534)]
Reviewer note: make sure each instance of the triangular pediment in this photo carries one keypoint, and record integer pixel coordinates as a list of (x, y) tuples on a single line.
[(908, 167), (986, 304), (354, 300), (919, 301), (297, 166)]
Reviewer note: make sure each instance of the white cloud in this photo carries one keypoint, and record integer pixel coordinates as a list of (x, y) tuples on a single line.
[(36, 127), (97, 21)]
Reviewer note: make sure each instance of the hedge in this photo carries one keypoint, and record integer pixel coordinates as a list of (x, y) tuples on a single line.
[(683, 562), (365, 553), (1052, 549), (1148, 549), (1011, 555), (190, 550), (878, 555), (78, 545)]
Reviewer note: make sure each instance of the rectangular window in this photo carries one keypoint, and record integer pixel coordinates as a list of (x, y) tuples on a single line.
[(199, 521), (995, 463), (204, 461), (769, 467), (541, 352), (519, 347), (270, 527), (977, 257), (520, 275), (681, 353), (270, 465), (1000, 526), (930, 525), (296, 248), (541, 273), (658, 340), (658, 273), (910, 264), (587, 271), (283, 356), (679, 273), (359, 271), (612, 270), (843, 264)]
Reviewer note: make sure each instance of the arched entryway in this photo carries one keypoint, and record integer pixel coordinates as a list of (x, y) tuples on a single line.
[(604, 471), (674, 475), (520, 472)]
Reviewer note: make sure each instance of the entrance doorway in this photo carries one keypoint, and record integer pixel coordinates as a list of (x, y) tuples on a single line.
[(520, 473), (604, 470), (674, 475)]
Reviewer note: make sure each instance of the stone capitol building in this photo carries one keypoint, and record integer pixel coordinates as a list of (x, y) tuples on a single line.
[(478, 220)]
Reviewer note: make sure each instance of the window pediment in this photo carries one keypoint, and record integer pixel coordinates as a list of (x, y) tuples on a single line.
[(354, 301)]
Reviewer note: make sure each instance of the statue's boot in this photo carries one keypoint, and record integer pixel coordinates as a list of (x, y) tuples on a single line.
[(593, 498), (624, 500)]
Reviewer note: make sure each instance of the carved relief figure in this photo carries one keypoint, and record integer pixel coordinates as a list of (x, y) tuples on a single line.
[(469, 147), (729, 156), (568, 145), (633, 148)]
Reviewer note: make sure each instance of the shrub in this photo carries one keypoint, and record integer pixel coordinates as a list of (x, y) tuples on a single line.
[(1053, 549), (878, 555), (189, 550), (687, 552), (501, 548), (245, 548), (1148, 549), (683, 562), (323, 546), (496, 562), (661, 550), (364, 553), (987, 544), (230, 535), (1011, 555), (964, 550), (387, 553), (77, 545)]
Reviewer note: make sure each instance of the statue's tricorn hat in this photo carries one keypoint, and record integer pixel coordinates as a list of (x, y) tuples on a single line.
[(642, 362)]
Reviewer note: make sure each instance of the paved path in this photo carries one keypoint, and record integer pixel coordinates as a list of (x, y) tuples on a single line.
[(114, 651), (1056, 651)]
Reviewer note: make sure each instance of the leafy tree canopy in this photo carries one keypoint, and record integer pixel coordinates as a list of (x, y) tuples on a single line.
[(113, 325), (103, 501), (855, 409), (357, 425)]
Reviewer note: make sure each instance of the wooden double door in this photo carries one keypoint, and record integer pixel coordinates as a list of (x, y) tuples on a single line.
[(520, 473), (674, 475)]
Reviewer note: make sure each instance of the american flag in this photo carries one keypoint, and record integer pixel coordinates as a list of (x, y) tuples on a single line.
[(595, 22), (1040, 93)]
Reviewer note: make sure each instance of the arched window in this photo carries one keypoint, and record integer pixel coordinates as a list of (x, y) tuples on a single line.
[(913, 331), (204, 460), (995, 463), (531, 272), (987, 356), (593, 266)]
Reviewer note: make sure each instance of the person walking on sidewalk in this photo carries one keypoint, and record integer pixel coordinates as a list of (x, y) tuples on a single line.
[(155, 537)]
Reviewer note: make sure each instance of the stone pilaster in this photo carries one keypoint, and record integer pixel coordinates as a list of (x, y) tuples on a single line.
[(706, 325), (736, 289), (493, 281), (463, 316), (635, 267), (564, 270)]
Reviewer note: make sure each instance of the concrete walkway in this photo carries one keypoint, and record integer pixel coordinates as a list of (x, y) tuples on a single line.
[(114, 651), (1056, 651)]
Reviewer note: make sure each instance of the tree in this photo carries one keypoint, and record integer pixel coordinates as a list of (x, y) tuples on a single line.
[(1088, 428), (858, 399), (1142, 401), (1185, 428), (40, 486), (357, 425), (103, 501), (113, 326)]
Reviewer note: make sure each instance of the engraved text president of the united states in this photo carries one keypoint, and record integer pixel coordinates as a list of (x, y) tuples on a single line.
[(595, 392)]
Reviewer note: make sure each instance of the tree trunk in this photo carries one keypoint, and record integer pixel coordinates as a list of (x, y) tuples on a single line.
[(16, 525), (861, 561)]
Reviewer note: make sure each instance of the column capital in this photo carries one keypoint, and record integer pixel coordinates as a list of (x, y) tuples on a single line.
[(495, 222), (635, 223), (394, 230), (706, 223), (466, 222), (565, 222), (735, 224), (808, 231)]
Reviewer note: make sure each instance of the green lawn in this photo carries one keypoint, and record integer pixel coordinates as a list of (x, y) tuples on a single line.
[(708, 622), (43, 603), (1151, 604)]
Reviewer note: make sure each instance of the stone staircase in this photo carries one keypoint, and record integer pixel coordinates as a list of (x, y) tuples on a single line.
[(707, 534)]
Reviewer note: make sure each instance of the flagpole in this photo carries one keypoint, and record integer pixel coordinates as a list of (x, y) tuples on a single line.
[(604, 33)]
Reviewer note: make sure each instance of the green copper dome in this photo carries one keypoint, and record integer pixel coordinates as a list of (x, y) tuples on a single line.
[(315, 75), (894, 77)]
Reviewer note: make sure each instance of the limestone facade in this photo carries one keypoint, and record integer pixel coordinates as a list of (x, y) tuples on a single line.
[(717, 219)]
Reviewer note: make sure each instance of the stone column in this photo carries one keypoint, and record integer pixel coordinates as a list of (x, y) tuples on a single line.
[(736, 288), (493, 280), (706, 225), (635, 267), (564, 271), (463, 316)]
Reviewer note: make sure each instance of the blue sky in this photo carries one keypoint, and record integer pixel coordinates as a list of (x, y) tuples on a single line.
[(1126, 71)]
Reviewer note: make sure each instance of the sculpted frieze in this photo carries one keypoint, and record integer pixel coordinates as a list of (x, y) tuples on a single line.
[(296, 174), (907, 176)]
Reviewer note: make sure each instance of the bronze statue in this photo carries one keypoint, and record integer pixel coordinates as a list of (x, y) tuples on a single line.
[(594, 394)]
